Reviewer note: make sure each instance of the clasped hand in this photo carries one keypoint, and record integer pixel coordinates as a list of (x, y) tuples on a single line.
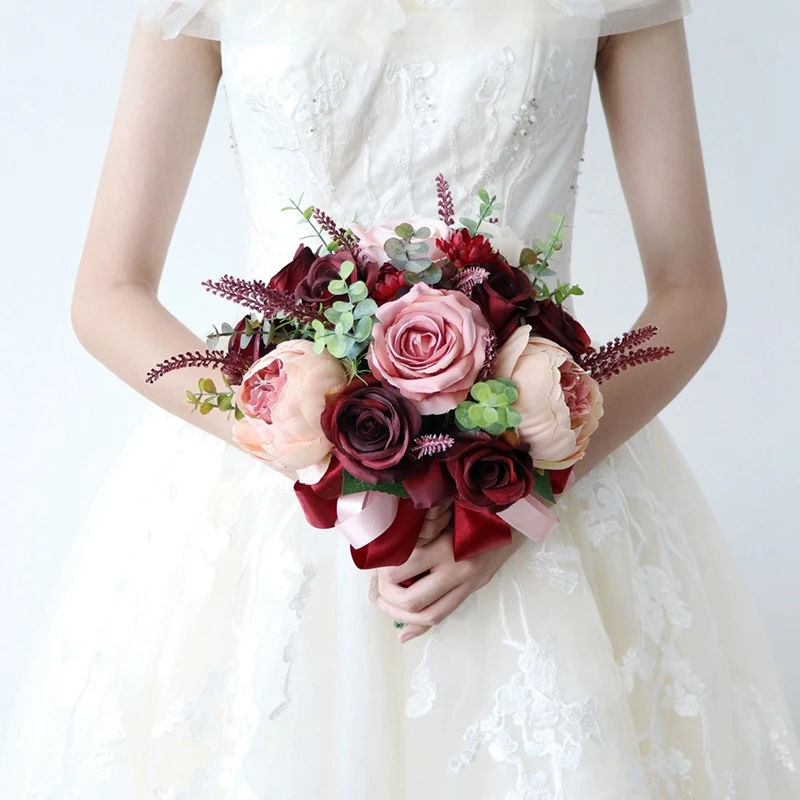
[(442, 584)]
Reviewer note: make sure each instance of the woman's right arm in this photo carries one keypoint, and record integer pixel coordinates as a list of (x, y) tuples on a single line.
[(167, 96)]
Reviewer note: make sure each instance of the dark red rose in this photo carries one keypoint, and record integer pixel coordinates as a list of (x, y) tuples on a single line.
[(504, 297), (290, 277), (371, 428), (390, 281), (465, 251), (314, 286), (551, 321), (489, 473)]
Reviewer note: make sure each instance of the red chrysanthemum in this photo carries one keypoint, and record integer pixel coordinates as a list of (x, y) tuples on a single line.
[(465, 251), (390, 281)]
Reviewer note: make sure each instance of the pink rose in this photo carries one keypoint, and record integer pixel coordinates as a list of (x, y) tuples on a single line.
[(282, 397), (560, 403), (430, 345), (372, 240)]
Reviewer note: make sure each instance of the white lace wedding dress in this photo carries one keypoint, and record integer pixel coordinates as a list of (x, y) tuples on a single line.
[(208, 644)]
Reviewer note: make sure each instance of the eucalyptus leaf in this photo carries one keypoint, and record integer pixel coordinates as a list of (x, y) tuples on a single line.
[(333, 316), (463, 417), (318, 326), (338, 346), (418, 265), (337, 287), (484, 195), (481, 392), (363, 329), (319, 346), (417, 249), (342, 305), (346, 270), (495, 430), (358, 292), (245, 340), (347, 321), (227, 328), (395, 248), (432, 275), (404, 231), (412, 277), (476, 413), (366, 308), (490, 416), (238, 414), (513, 418), (309, 212)]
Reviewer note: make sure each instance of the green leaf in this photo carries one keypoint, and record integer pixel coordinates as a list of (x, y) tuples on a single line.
[(342, 305), (337, 287), (347, 321), (319, 346), (463, 416), (418, 265), (206, 408), (542, 487), (238, 414), (432, 275), (528, 257), (358, 292), (484, 195), (417, 249), (333, 316), (395, 248), (353, 485), (496, 386), (495, 430), (318, 326), (513, 418), (366, 308), (476, 413), (227, 328), (490, 416), (422, 233), (346, 270), (502, 417), (339, 330), (208, 386), (485, 210), (192, 398), (481, 392), (338, 346), (412, 277), (404, 231), (363, 329), (309, 212), (225, 403)]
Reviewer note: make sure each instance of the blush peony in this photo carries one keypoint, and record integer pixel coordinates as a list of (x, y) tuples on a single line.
[(560, 403), (431, 346), (283, 397)]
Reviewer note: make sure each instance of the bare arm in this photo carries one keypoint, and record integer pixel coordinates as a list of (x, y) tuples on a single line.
[(646, 87), (167, 96)]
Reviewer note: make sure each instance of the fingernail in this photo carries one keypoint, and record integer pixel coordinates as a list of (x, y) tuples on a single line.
[(406, 637)]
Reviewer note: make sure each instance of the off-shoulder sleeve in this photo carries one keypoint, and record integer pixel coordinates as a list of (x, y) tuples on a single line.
[(577, 18), (201, 18)]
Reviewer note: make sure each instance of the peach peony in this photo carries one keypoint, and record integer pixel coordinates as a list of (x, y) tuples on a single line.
[(372, 240), (560, 403), (431, 346), (282, 397)]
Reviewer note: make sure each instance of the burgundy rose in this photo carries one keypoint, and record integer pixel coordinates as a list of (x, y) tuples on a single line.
[(314, 286), (551, 321), (372, 428), (290, 277), (489, 473), (390, 281), (504, 297)]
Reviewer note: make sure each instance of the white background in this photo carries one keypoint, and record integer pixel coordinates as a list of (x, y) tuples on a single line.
[(65, 418)]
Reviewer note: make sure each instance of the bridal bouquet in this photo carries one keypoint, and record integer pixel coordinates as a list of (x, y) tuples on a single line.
[(409, 364)]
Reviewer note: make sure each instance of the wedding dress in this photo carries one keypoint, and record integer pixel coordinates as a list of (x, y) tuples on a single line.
[(208, 644)]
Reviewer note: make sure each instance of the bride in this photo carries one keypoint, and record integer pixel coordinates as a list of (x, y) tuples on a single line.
[(208, 643)]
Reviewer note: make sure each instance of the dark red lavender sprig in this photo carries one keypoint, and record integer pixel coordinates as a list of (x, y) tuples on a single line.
[(469, 279), (345, 239), (431, 444), (491, 357), (257, 296), (233, 365), (623, 352), (446, 209)]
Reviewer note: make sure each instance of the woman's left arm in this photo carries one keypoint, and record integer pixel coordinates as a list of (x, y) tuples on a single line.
[(646, 87)]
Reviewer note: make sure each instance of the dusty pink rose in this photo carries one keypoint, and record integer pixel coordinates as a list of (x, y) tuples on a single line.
[(560, 403), (282, 397), (372, 240), (430, 345)]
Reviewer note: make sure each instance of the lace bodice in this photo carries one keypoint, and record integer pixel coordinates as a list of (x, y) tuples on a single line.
[(357, 105)]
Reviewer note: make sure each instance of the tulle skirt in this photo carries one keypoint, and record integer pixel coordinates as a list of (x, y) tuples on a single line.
[(207, 644)]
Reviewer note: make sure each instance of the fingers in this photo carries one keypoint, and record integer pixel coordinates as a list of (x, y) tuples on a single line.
[(410, 632), (424, 557), (433, 614), (424, 592)]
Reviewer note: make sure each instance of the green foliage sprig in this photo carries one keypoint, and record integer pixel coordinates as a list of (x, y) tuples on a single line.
[(352, 318), (488, 207), (491, 410), (208, 398), (412, 257)]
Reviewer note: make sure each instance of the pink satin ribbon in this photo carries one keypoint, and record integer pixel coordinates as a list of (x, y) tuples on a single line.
[(363, 517), (531, 517)]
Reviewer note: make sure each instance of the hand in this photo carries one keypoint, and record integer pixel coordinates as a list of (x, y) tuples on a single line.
[(444, 584)]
